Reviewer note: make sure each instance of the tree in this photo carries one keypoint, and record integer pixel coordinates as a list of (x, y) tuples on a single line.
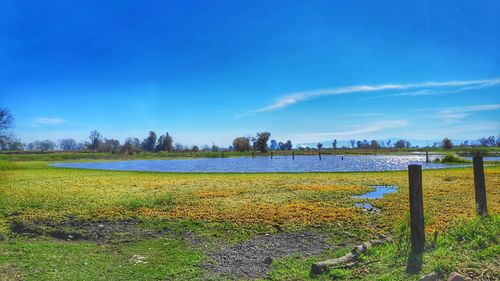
[(131, 145), (446, 144), (68, 144), (261, 141), (95, 140), (352, 142), (288, 145), (374, 144), (382, 144), (195, 148), (6, 122), (319, 145), (487, 141), (215, 148), (274, 145), (282, 145), (388, 143), (149, 143), (402, 144), (160, 145), (241, 144), (167, 143), (362, 144), (47, 145), (15, 145), (334, 144), (111, 145), (178, 146)]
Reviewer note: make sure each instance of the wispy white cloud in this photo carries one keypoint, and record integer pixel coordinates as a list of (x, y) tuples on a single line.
[(303, 96), (437, 91), (357, 130), (48, 121), (422, 88), (455, 114)]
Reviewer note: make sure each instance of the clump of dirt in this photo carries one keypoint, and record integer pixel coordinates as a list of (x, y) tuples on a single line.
[(99, 231), (252, 259)]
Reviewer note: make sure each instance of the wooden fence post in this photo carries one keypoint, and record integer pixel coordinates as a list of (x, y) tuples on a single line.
[(271, 155), (417, 234), (293, 155), (427, 157), (319, 154), (480, 186)]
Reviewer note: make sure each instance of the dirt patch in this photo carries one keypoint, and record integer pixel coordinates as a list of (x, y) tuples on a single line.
[(252, 258), (99, 231), (9, 272)]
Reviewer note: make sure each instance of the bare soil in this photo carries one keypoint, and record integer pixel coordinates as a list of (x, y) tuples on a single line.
[(252, 259)]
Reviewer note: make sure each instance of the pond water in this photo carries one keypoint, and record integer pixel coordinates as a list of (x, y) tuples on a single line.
[(265, 164), (379, 192), (486, 158)]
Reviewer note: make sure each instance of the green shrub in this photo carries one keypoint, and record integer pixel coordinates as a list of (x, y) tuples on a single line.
[(451, 158)]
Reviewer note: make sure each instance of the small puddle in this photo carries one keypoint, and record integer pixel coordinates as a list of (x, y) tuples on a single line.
[(379, 192)]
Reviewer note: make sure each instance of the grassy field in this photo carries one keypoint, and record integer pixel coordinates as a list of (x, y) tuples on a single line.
[(70, 224)]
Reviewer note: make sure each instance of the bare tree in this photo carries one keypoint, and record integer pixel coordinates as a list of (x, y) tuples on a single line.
[(111, 145), (95, 140), (352, 142), (68, 144), (6, 123)]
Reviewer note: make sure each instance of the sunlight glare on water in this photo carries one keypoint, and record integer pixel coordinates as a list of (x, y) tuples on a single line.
[(265, 164)]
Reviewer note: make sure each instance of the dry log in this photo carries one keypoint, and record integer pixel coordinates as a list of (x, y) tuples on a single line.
[(323, 266)]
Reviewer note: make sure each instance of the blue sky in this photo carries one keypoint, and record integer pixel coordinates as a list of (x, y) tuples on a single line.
[(208, 71)]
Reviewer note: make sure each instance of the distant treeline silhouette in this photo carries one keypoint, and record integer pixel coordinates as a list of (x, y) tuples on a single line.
[(153, 143)]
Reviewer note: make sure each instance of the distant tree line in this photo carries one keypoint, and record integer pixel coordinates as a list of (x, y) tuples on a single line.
[(153, 143), (260, 143)]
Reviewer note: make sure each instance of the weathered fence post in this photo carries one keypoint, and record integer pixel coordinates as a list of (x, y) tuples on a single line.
[(293, 155), (480, 186), (271, 155), (319, 154), (427, 157), (417, 234)]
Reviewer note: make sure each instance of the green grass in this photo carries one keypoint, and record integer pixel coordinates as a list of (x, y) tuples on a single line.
[(471, 244), (55, 260)]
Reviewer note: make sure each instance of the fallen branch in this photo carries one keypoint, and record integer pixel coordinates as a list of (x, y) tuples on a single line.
[(323, 266), (353, 264)]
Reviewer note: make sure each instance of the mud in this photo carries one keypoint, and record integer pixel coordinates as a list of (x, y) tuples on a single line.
[(252, 259), (98, 231)]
